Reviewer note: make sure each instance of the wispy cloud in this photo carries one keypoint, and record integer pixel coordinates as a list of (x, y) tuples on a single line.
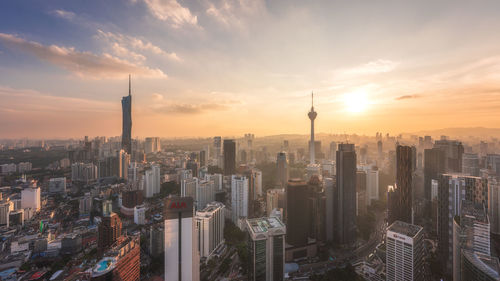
[(83, 64), (67, 15), (232, 13), (172, 12), (129, 46), (407, 97), (190, 109), (373, 67)]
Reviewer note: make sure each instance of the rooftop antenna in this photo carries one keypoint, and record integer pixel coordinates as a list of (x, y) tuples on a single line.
[(312, 99), (129, 86)]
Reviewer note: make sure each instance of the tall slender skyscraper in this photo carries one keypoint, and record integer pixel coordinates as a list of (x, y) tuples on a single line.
[(229, 157), (312, 116), (400, 201), (127, 120)]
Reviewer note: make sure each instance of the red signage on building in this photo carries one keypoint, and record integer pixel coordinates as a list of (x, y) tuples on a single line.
[(178, 205)]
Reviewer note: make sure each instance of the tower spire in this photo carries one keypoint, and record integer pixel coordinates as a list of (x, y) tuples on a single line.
[(312, 99), (129, 86)]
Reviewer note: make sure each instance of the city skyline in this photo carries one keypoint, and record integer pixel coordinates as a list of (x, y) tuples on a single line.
[(196, 64)]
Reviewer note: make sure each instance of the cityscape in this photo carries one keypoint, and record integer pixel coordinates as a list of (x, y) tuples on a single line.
[(238, 140)]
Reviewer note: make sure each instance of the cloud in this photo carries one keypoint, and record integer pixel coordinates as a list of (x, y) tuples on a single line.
[(83, 64), (190, 109), (172, 12), (157, 97), (374, 67), (121, 46), (232, 13), (407, 97), (67, 15)]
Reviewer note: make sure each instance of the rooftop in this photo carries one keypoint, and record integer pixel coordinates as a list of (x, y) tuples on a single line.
[(487, 264), (262, 225), (404, 228)]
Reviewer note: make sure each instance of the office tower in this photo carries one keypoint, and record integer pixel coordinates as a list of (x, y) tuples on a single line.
[(257, 180), (282, 164), (109, 230), (57, 185), (453, 190), (275, 199), (229, 157), (297, 215), (188, 187), (329, 187), (205, 193), (312, 116), (316, 210), (203, 158), (434, 164), (333, 151), (471, 231), (85, 204), (372, 183), (470, 164), (476, 266), (345, 195), (404, 252), (120, 263), (193, 166), (156, 240), (453, 151), (218, 151), (139, 215), (127, 120), (217, 179), (494, 204), (493, 163), (400, 205), (152, 181), (210, 227), (83, 172), (30, 198), (182, 261), (266, 249), (6, 206), (380, 149), (152, 145), (361, 192), (239, 198)]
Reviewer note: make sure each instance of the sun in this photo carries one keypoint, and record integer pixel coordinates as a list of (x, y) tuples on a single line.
[(356, 101)]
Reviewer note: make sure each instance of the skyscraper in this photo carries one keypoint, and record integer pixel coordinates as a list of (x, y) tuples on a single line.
[(229, 157), (110, 229), (297, 215), (404, 252), (210, 227), (345, 195), (266, 249), (127, 120), (282, 164), (434, 164), (239, 198), (401, 207), (312, 116), (182, 261)]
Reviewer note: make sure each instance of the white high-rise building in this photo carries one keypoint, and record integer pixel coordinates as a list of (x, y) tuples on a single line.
[(85, 204), (139, 215), (152, 145), (404, 252), (30, 198), (152, 181), (210, 226), (257, 179), (6, 206), (57, 185), (371, 182), (182, 260), (266, 249), (239, 198), (217, 179), (83, 172), (275, 199), (189, 187), (132, 172), (205, 193)]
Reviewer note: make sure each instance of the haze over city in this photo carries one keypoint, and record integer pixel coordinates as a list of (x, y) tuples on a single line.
[(200, 67)]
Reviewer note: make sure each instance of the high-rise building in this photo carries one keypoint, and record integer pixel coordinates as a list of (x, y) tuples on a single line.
[(210, 227), (139, 215), (189, 187), (266, 249), (127, 120), (156, 240), (282, 164), (182, 260), (229, 157), (152, 145), (6, 206), (57, 185), (239, 198), (120, 263), (434, 164), (275, 199), (205, 193), (329, 185), (476, 266), (85, 204), (453, 190), (470, 164), (345, 195), (333, 151), (109, 230), (217, 151), (297, 213), (152, 181), (83, 172), (361, 192), (400, 205), (453, 150), (30, 198), (404, 252), (494, 204), (312, 116)]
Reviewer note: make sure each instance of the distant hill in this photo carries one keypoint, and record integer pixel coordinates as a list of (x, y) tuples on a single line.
[(460, 132)]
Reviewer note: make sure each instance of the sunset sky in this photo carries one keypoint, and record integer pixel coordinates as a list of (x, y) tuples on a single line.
[(208, 67)]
